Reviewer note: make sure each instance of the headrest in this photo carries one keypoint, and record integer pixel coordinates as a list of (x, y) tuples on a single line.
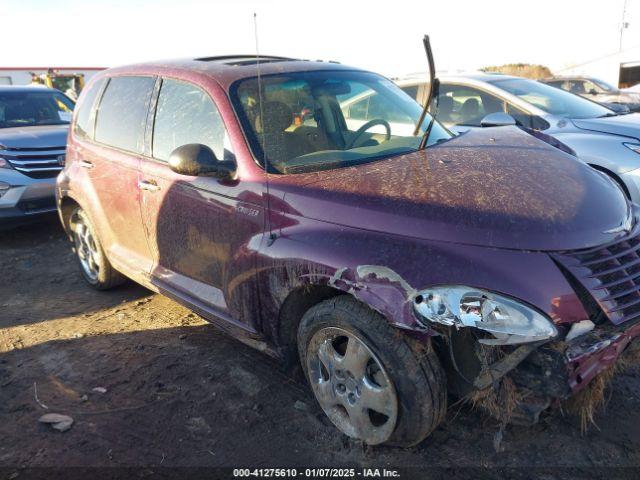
[(445, 104), (471, 106), (277, 117)]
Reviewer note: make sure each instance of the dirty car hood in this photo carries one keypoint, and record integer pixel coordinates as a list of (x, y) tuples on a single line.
[(625, 125), (496, 187), (41, 136)]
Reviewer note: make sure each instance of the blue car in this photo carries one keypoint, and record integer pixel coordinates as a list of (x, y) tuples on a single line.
[(33, 134)]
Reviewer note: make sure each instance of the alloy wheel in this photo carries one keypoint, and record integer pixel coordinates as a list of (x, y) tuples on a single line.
[(351, 385), (86, 247)]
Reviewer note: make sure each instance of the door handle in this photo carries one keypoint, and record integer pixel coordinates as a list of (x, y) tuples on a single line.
[(149, 185), (86, 164)]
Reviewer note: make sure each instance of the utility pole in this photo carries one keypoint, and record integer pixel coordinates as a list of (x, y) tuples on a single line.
[(623, 25)]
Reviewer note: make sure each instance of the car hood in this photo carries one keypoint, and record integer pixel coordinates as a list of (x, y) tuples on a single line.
[(41, 136), (625, 125), (628, 97), (494, 187)]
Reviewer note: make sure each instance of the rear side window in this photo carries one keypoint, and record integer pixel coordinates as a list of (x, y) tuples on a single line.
[(85, 118), (122, 114), (186, 114)]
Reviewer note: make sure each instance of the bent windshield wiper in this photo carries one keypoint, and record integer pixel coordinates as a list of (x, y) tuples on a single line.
[(434, 87)]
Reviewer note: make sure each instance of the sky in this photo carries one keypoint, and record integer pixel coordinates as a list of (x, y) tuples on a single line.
[(383, 36)]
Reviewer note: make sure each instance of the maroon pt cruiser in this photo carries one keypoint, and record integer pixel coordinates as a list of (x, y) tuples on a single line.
[(290, 203)]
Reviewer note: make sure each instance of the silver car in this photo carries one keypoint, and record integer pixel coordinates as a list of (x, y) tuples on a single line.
[(598, 91), (606, 140), (33, 134)]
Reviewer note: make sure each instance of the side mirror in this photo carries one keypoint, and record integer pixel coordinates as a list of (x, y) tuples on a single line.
[(593, 91), (199, 160), (497, 119)]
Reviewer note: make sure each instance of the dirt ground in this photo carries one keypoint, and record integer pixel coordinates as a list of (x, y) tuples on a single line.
[(180, 393)]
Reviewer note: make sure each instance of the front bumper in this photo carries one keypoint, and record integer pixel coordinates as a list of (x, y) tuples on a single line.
[(517, 390), (26, 200), (561, 369)]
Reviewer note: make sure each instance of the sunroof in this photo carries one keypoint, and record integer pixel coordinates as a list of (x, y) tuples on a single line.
[(253, 61), (240, 60)]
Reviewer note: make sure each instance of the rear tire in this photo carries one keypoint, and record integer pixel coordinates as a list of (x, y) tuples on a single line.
[(355, 360), (94, 265)]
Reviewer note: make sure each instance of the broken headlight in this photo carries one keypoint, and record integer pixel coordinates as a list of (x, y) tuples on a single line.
[(506, 319)]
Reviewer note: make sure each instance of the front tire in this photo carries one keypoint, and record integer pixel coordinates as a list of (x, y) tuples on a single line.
[(374, 383), (94, 265)]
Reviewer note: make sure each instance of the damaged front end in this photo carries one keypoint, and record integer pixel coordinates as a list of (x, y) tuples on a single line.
[(487, 337), (578, 370), (515, 362), (516, 383)]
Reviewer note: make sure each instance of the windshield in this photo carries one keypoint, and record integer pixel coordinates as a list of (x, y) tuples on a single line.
[(29, 108), (607, 87), (550, 99), (325, 119)]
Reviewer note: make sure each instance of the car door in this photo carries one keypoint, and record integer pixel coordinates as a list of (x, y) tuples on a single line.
[(199, 228), (112, 161)]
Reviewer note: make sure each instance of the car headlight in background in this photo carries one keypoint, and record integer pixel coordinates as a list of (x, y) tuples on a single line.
[(3, 162), (632, 146), (4, 188), (507, 320)]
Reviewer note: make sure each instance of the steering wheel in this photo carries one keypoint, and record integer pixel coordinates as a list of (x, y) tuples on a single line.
[(367, 126)]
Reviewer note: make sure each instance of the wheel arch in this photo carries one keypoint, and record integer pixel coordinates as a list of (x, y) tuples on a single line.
[(614, 176), (66, 206), (295, 305)]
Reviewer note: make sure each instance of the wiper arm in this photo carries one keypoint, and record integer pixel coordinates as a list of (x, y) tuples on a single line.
[(434, 87), (427, 132)]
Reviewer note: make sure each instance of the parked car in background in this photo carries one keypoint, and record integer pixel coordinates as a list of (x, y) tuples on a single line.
[(606, 140), (264, 196), (33, 133), (598, 91)]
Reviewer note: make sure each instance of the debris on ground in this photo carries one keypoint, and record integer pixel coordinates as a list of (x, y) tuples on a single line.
[(99, 390), (35, 396), (300, 405), (60, 422), (198, 425)]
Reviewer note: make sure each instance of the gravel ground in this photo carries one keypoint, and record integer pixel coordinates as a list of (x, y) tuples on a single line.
[(175, 392)]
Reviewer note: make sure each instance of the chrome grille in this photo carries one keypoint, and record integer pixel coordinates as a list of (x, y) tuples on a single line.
[(611, 274), (34, 162)]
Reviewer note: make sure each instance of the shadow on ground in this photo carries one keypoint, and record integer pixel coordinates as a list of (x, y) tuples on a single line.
[(41, 278)]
